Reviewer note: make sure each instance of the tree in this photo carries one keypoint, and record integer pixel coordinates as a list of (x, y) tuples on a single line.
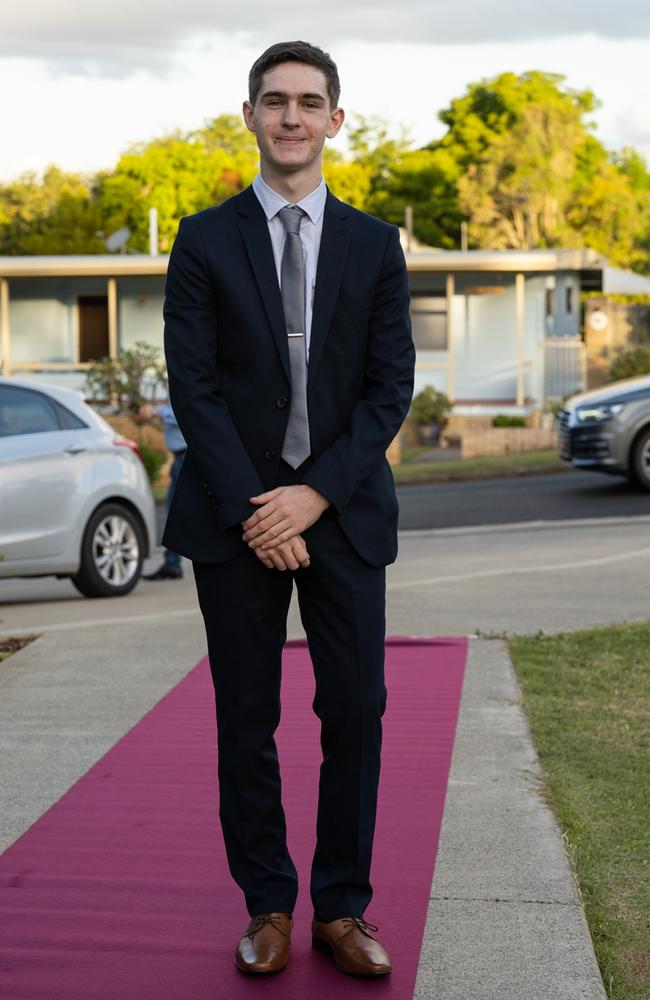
[(523, 134), (53, 214), (604, 212), (426, 180), (178, 174)]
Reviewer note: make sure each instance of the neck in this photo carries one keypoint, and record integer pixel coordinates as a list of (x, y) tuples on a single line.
[(294, 187)]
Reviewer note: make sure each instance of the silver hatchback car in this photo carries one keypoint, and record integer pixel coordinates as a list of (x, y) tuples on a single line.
[(75, 499)]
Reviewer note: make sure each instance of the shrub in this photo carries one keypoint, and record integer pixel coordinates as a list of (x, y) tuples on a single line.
[(504, 420), (630, 361), (126, 382), (153, 461), (431, 406)]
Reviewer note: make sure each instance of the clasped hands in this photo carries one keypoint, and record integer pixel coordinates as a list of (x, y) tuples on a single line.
[(274, 531)]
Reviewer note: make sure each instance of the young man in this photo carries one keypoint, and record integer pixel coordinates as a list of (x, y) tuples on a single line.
[(290, 370)]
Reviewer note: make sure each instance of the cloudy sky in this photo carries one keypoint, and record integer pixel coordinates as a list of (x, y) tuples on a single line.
[(80, 81)]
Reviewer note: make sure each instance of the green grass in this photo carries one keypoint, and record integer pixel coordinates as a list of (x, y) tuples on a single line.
[(587, 696), (521, 463)]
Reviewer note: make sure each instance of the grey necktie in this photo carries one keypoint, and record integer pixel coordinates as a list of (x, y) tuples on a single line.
[(296, 447)]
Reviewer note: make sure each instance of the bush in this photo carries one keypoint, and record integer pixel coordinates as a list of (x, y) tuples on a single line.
[(431, 406), (504, 420), (630, 361), (128, 381), (153, 461)]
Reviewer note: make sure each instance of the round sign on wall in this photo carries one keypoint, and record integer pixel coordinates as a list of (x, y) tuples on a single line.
[(598, 320)]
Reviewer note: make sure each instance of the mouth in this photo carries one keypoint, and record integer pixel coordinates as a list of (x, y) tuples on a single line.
[(289, 138)]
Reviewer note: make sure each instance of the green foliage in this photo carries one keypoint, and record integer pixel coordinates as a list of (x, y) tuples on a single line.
[(128, 381), (630, 361), (153, 461), (179, 175), (504, 420), (431, 406), (518, 161), (56, 214), (426, 180)]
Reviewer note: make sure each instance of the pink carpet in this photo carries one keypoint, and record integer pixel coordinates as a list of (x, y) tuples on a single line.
[(121, 891)]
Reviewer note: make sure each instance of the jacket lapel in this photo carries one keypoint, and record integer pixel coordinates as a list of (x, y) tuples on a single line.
[(332, 256), (255, 234)]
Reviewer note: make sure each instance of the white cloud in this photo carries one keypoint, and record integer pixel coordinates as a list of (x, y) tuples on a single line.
[(84, 123), (113, 39)]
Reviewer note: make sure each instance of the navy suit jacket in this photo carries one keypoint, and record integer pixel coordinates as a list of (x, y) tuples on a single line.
[(229, 377)]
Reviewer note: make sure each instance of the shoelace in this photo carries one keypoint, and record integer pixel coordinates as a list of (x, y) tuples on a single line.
[(259, 921), (362, 924)]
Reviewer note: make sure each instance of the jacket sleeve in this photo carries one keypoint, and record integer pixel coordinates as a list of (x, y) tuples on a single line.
[(378, 415), (191, 323)]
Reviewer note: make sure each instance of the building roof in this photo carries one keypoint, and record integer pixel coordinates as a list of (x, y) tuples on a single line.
[(616, 281), (429, 259), (73, 266)]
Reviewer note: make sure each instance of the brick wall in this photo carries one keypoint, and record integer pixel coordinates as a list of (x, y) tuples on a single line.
[(505, 440)]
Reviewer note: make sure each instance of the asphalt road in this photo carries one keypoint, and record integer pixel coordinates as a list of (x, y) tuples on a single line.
[(552, 497)]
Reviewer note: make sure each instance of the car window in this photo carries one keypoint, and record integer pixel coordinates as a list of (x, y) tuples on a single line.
[(69, 420), (25, 412)]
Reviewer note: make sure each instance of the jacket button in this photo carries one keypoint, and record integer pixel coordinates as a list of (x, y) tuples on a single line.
[(269, 455), (281, 402)]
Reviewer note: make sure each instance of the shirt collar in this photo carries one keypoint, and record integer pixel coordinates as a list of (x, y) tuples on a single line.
[(313, 203)]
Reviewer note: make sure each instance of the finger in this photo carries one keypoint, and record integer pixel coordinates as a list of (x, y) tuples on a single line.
[(266, 527), (273, 541), (262, 515), (278, 560), (290, 559), (254, 519), (265, 497), (301, 553), (265, 560)]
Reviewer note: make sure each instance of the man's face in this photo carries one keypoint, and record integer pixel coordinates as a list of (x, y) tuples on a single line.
[(292, 117)]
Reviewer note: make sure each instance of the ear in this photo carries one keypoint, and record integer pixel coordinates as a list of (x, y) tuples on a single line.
[(247, 111), (337, 117)]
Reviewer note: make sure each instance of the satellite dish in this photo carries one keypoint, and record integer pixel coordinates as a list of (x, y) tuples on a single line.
[(118, 240)]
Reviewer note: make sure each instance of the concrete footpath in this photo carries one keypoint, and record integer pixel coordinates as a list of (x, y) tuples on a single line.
[(504, 919)]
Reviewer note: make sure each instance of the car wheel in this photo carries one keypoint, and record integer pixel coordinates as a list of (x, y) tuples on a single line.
[(641, 459), (112, 552)]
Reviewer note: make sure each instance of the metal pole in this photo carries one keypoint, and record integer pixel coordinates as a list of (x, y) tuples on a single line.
[(5, 339), (451, 373), (113, 346), (153, 232), (408, 225), (520, 301)]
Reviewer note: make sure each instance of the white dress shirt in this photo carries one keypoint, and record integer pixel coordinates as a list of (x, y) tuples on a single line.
[(311, 229)]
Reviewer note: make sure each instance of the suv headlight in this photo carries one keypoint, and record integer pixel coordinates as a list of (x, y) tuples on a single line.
[(597, 414)]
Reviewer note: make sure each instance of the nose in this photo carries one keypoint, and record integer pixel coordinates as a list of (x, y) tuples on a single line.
[(291, 117)]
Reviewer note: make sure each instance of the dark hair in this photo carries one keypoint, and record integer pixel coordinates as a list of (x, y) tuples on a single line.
[(301, 52)]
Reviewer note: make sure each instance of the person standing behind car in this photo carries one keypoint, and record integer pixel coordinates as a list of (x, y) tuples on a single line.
[(171, 568)]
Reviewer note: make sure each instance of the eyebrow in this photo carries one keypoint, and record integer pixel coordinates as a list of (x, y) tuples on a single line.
[(283, 93)]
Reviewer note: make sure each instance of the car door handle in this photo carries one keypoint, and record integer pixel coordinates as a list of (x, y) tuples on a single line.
[(74, 449)]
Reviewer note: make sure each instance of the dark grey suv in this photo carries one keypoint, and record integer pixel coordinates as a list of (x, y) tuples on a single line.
[(608, 429)]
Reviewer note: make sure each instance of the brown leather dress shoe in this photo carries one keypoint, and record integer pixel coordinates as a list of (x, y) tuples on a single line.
[(353, 948), (265, 945)]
